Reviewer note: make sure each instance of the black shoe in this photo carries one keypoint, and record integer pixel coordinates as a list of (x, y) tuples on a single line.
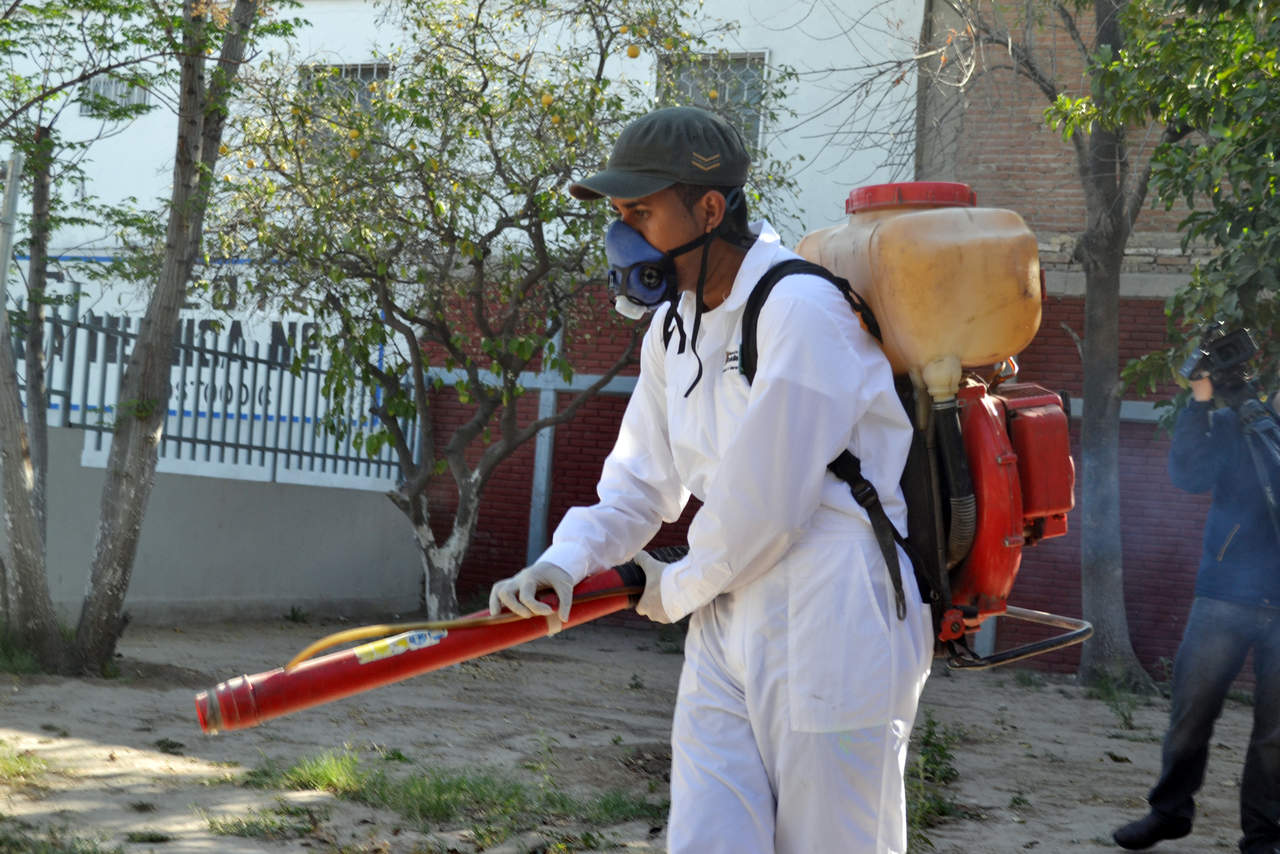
[(1150, 829)]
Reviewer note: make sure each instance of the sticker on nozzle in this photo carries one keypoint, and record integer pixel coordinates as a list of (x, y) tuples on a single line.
[(407, 642)]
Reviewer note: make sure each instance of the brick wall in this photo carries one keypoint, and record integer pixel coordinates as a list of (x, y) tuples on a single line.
[(579, 450), (1161, 551), (579, 454), (580, 446), (993, 136), (502, 529)]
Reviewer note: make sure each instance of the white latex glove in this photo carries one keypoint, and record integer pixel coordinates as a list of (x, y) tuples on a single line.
[(518, 591), (650, 604)]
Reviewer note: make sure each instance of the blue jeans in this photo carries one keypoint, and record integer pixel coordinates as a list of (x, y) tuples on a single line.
[(1215, 642)]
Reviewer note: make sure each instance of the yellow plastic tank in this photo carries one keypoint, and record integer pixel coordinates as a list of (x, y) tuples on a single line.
[(951, 284)]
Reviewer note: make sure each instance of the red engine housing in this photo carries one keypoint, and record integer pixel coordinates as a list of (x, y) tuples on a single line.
[(1019, 455)]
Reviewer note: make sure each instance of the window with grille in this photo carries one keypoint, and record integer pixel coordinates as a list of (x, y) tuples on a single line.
[(353, 79), (104, 87), (338, 94), (731, 84)]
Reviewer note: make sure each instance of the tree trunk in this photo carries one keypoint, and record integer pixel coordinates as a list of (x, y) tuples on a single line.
[(37, 299), (4, 587), (1108, 655), (144, 392), (441, 595), (440, 564), (31, 617)]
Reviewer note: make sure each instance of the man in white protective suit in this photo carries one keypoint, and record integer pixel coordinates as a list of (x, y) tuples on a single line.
[(802, 672)]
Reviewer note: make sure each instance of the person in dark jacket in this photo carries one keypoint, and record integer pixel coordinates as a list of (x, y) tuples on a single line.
[(1236, 609)]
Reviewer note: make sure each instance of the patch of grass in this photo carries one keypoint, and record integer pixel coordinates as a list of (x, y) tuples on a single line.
[(930, 769), (1032, 679), (1119, 700), (441, 798), (569, 843), (283, 821), (1244, 698), (492, 805), (55, 729), (636, 683), (331, 772), (22, 838), (391, 754), (297, 615), (14, 659), (19, 769), (151, 836), (168, 745), (544, 761), (617, 807)]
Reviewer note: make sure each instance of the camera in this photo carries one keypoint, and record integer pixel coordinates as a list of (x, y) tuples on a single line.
[(1221, 355)]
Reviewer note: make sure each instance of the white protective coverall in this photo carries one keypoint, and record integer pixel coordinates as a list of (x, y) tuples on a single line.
[(800, 683)]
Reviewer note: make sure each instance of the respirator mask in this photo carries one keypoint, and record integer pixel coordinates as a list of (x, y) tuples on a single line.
[(641, 277)]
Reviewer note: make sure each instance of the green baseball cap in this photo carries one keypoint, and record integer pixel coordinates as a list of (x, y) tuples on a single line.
[(674, 145)]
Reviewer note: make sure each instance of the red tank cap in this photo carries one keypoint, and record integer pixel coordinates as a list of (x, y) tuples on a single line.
[(911, 194)]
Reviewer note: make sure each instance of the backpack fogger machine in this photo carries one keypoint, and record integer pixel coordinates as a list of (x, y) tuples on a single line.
[(957, 291)]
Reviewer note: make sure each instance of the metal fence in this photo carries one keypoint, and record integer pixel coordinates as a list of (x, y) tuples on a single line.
[(237, 406)]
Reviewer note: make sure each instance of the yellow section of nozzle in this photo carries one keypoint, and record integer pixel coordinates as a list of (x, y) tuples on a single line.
[(382, 630)]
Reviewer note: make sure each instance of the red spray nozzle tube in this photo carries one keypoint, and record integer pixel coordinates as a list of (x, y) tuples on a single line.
[(247, 701)]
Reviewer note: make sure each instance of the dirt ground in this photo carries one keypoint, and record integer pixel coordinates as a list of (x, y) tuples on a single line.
[(1042, 767)]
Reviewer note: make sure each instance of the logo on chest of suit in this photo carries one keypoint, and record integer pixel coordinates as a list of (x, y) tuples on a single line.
[(730, 362)]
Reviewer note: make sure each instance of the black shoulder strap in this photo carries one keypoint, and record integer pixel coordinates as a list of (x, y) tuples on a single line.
[(760, 293), (846, 466)]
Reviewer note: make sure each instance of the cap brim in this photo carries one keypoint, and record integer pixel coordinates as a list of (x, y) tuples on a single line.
[(617, 184)]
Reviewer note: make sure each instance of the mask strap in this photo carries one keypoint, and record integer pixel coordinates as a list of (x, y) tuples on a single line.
[(732, 200), (701, 240), (697, 316), (673, 316), (673, 320)]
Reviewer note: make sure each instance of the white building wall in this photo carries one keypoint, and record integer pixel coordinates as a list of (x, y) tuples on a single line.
[(832, 46), (214, 549)]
